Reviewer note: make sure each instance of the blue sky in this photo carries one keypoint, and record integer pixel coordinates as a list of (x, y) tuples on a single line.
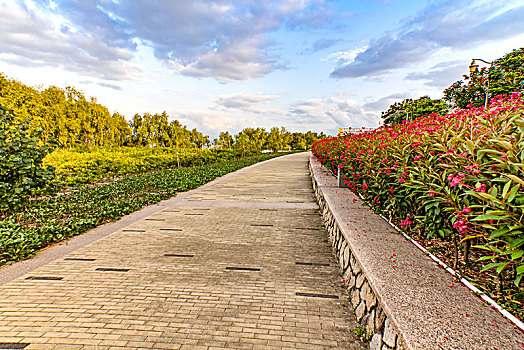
[(224, 65)]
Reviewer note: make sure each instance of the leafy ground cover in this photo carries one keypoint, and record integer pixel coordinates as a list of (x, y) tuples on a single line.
[(83, 165), (454, 183), (50, 220)]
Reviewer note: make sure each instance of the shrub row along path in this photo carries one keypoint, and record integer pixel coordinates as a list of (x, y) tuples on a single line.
[(218, 267)]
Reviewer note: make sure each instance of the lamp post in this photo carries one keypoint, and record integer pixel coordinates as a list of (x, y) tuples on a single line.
[(473, 67)]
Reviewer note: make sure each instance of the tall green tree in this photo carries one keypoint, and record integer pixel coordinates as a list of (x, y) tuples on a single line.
[(278, 139), (225, 140), (503, 77), (410, 109)]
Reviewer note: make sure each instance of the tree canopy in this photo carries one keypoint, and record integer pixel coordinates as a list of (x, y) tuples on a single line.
[(69, 119), (410, 109), (505, 76)]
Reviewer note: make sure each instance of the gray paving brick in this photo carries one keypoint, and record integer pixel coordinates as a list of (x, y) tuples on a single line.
[(183, 302)]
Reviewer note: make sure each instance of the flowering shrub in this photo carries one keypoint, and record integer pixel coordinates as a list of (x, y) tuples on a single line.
[(454, 181)]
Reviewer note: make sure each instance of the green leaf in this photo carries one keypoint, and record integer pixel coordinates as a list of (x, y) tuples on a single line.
[(487, 257), (506, 189), (502, 266), (504, 144), (488, 151), (514, 178), (499, 233), (485, 217), (517, 280), (488, 197), (490, 266), (516, 243), (513, 193)]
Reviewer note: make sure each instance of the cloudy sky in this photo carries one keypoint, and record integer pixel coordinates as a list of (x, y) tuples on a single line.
[(229, 64)]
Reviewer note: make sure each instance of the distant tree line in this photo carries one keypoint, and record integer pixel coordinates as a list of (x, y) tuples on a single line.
[(258, 139), (67, 117), (504, 77)]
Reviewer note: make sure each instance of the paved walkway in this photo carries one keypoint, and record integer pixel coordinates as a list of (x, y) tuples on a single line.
[(242, 263)]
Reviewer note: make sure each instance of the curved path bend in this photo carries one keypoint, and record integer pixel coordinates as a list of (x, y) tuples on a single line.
[(240, 263)]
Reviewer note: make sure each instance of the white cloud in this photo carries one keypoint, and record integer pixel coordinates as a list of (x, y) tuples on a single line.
[(377, 106), (174, 91), (443, 24), (332, 113), (345, 56), (242, 60), (252, 105), (219, 39), (245, 101), (31, 37), (441, 75), (211, 123)]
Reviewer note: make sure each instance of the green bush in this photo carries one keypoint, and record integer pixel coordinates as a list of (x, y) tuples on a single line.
[(82, 165), (22, 173)]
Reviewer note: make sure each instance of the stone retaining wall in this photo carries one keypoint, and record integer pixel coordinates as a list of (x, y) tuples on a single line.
[(368, 309)]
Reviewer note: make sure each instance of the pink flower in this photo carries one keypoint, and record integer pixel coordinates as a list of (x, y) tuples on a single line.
[(418, 156), (461, 225), (406, 222), (473, 168), (466, 210), (455, 180), (431, 192), (391, 190)]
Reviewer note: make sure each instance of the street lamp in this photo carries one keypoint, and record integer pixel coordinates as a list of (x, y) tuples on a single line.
[(473, 67)]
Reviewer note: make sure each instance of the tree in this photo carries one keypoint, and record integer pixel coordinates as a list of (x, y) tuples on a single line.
[(242, 143), (312, 137), (298, 141), (286, 138), (505, 76), (225, 140), (411, 109), (139, 133), (252, 139), (275, 140), (64, 115)]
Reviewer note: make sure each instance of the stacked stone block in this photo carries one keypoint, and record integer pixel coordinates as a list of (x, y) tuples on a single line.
[(369, 311)]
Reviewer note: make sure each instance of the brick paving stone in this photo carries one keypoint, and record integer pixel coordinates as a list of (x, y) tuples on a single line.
[(198, 297)]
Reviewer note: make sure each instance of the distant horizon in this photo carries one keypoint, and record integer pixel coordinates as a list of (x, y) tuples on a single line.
[(314, 65)]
